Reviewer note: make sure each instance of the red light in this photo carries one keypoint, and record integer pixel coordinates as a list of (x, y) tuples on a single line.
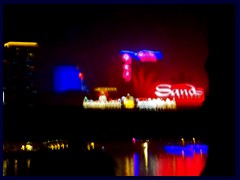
[(147, 56), (127, 75), (80, 75), (126, 58), (126, 67), (128, 78)]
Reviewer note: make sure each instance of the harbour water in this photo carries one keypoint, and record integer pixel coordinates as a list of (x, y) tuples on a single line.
[(142, 158)]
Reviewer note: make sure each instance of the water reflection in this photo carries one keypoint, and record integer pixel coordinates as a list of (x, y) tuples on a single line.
[(28, 163), (145, 159), (135, 164), (15, 167), (145, 153), (151, 163), (5, 166)]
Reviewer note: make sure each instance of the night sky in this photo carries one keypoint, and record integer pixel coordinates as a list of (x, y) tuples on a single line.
[(92, 36)]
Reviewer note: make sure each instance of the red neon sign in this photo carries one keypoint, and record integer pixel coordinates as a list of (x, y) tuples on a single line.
[(184, 94), (127, 70), (80, 75), (147, 56)]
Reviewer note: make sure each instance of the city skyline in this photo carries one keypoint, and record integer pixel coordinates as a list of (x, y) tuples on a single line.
[(198, 46), (92, 36)]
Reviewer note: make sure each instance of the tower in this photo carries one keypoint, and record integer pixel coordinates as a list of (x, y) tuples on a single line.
[(19, 85)]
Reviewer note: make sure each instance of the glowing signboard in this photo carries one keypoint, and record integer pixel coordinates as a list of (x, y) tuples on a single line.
[(184, 94), (68, 78), (169, 97), (143, 55)]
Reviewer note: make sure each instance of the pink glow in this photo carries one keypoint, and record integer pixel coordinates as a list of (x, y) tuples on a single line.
[(127, 75), (126, 67), (147, 56), (126, 58)]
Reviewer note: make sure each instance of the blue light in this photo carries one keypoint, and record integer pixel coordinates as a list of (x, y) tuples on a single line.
[(135, 164), (135, 55), (66, 78), (130, 53), (188, 150), (179, 150), (199, 148), (158, 54)]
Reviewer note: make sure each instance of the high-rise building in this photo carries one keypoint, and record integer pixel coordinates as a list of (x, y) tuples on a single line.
[(19, 85)]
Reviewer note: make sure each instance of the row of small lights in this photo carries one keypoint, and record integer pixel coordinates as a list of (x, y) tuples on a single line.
[(149, 104), (134, 140), (53, 145)]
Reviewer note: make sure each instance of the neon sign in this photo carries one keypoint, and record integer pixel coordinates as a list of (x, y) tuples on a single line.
[(143, 55), (68, 78), (147, 56), (184, 94)]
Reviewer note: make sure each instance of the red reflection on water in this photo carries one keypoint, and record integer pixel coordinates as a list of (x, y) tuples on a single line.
[(151, 162), (165, 166), (197, 165), (181, 166), (174, 165)]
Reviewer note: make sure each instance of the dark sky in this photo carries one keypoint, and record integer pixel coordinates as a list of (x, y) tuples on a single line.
[(92, 36)]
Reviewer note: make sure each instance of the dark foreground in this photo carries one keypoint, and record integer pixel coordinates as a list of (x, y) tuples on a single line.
[(77, 125), (39, 123)]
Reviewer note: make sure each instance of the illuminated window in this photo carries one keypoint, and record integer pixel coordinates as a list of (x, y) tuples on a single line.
[(30, 55)]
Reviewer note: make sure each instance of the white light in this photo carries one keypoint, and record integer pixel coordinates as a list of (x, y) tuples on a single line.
[(112, 104), (156, 104)]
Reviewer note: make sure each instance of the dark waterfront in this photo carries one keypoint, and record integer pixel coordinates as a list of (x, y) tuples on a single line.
[(115, 152), (73, 123), (114, 130), (114, 159)]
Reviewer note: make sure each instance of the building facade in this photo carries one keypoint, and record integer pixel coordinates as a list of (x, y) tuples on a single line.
[(19, 83)]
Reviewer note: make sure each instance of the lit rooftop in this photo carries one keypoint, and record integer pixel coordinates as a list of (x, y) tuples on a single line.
[(22, 44)]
